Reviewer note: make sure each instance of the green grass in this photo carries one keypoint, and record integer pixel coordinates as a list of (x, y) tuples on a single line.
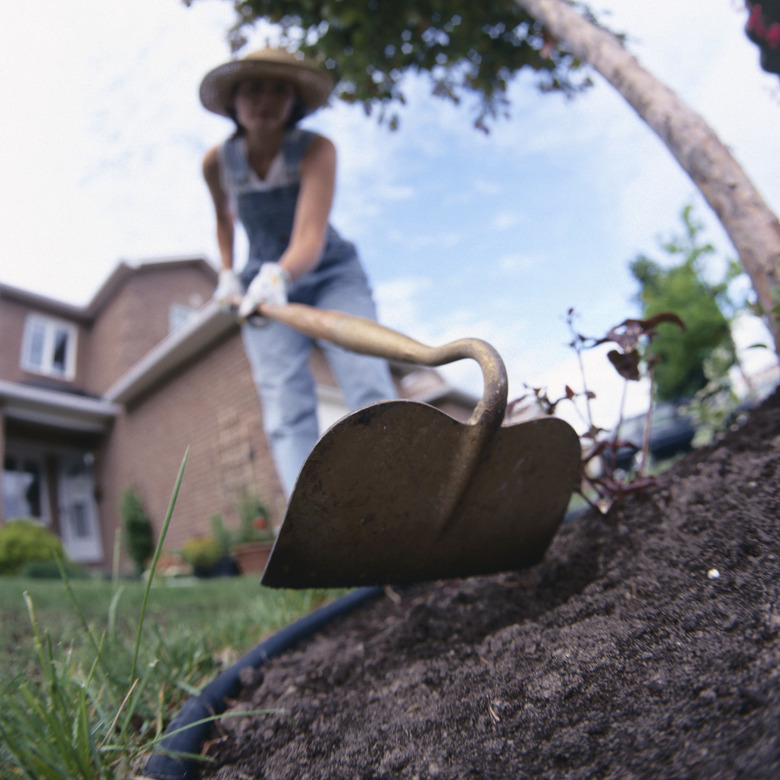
[(64, 686), (219, 618), (92, 671)]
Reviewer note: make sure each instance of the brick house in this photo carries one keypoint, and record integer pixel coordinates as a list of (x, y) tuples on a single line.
[(98, 399)]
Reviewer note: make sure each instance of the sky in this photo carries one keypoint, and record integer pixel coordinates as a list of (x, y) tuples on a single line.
[(463, 234)]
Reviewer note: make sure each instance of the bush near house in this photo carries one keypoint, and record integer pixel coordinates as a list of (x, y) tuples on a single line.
[(24, 542), (138, 528)]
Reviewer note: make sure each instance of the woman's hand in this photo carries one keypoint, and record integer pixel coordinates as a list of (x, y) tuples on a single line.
[(269, 286)]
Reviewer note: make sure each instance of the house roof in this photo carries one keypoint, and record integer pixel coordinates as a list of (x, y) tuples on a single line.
[(56, 409), (42, 303), (426, 385), (123, 271)]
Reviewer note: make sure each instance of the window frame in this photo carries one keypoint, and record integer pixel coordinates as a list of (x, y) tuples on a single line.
[(41, 326)]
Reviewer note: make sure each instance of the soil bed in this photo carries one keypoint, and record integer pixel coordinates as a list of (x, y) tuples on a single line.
[(646, 644)]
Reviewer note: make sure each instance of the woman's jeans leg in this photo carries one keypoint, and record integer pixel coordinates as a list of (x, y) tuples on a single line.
[(279, 358), (363, 379)]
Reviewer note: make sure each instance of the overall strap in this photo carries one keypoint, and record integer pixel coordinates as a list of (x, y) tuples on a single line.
[(294, 146), (234, 168)]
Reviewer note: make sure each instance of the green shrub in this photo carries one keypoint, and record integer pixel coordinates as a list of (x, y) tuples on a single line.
[(201, 551), (25, 541), (138, 529)]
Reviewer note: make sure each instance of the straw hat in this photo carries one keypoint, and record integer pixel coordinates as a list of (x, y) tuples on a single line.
[(313, 84)]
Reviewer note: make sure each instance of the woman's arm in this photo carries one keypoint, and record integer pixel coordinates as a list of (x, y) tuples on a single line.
[(225, 219), (318, 178)]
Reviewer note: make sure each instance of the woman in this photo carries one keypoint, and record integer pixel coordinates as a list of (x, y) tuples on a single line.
[(278, 180)]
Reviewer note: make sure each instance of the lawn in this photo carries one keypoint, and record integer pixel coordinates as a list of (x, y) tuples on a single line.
[(87, 693), (92, 670)]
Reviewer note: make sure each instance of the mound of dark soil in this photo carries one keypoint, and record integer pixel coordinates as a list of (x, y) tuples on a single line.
[(645, 645)]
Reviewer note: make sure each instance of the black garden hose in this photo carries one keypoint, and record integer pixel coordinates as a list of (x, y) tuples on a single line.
[(164, 764)]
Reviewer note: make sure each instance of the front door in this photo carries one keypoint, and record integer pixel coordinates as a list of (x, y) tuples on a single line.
[(78, 511)]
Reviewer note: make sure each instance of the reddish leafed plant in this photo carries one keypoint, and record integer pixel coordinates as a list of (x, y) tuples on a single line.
[(632, 359)]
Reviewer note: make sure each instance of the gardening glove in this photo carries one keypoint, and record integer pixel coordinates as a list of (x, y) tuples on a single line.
[(229, 290), (269, 286)]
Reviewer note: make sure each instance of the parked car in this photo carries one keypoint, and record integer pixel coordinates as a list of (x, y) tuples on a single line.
[(671, 433)]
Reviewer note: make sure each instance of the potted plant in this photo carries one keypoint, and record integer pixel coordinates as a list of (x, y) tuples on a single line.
[(226, 564), (254, 539), (202, 553)]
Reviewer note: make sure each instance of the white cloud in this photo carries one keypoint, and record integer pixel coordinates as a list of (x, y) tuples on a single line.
[(400, 303), (505, 220), (517, 261), (487, 187)]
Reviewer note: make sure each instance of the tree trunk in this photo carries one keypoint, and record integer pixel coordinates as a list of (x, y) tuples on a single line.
[(753, 228)]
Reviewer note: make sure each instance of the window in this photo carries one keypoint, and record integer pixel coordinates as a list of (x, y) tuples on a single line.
[(24, 488), (49, 347)]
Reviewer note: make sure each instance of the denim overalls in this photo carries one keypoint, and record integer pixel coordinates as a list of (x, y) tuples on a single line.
[(278, 355)]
